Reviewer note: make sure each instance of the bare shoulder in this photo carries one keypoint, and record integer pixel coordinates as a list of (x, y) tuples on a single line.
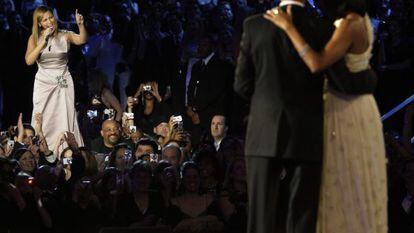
[(354, 20), (31, 39), (352, 24), (356, 27)]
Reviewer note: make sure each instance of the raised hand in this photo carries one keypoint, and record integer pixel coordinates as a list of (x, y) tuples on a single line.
[(59, 142), (48, 32), (38, 123), (279, 18), (178, 136), (20, 128), (70, 139), (79, 18), (195, 119), (154, 91), (131, 102), (171, 123), (35, 150), (140, 90), (44, 148)]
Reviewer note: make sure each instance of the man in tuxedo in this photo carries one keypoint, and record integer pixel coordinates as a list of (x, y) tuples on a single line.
[(285, 126)]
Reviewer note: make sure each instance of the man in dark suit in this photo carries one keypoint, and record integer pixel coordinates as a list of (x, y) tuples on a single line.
[(285, 125), (208, 91)]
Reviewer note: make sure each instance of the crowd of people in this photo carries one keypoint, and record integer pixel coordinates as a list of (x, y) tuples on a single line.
[(161, 131)]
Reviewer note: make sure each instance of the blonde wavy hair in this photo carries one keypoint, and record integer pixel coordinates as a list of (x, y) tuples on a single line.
[(37, 19)]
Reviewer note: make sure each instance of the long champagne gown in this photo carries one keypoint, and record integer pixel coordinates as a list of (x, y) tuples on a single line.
[(53, 94), (354, 189)]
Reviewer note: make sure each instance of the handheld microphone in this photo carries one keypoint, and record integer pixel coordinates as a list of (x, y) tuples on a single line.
[(47, 37)]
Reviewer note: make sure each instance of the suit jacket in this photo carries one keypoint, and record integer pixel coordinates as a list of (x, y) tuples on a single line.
[(286, 110), (208, 88)]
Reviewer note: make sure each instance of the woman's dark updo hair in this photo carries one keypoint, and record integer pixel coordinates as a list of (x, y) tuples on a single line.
[(339, 8)]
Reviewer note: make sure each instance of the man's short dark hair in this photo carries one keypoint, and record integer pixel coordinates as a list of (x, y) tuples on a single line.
[(148, 142), (222, 115)]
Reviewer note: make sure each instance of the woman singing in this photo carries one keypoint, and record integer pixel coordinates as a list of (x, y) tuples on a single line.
[(53, 94)]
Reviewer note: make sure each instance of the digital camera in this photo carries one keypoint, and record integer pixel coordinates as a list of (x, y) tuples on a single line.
[(108, 113), (10, 143), (147, 87), (67, 161), (129, 115), (92, 114), (36, 140), (153, 158), (179, 120), (132, 129), (4, 134), (128, 154)]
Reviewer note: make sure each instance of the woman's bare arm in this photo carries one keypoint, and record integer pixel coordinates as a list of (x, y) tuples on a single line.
[(335, 49), (112, 102), (33, 50), (82, 37)]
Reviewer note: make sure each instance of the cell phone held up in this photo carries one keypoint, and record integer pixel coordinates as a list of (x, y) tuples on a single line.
[(147, 87), (178, 120), (108, 113), (67, 161), (129, 115), (132, 129)]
